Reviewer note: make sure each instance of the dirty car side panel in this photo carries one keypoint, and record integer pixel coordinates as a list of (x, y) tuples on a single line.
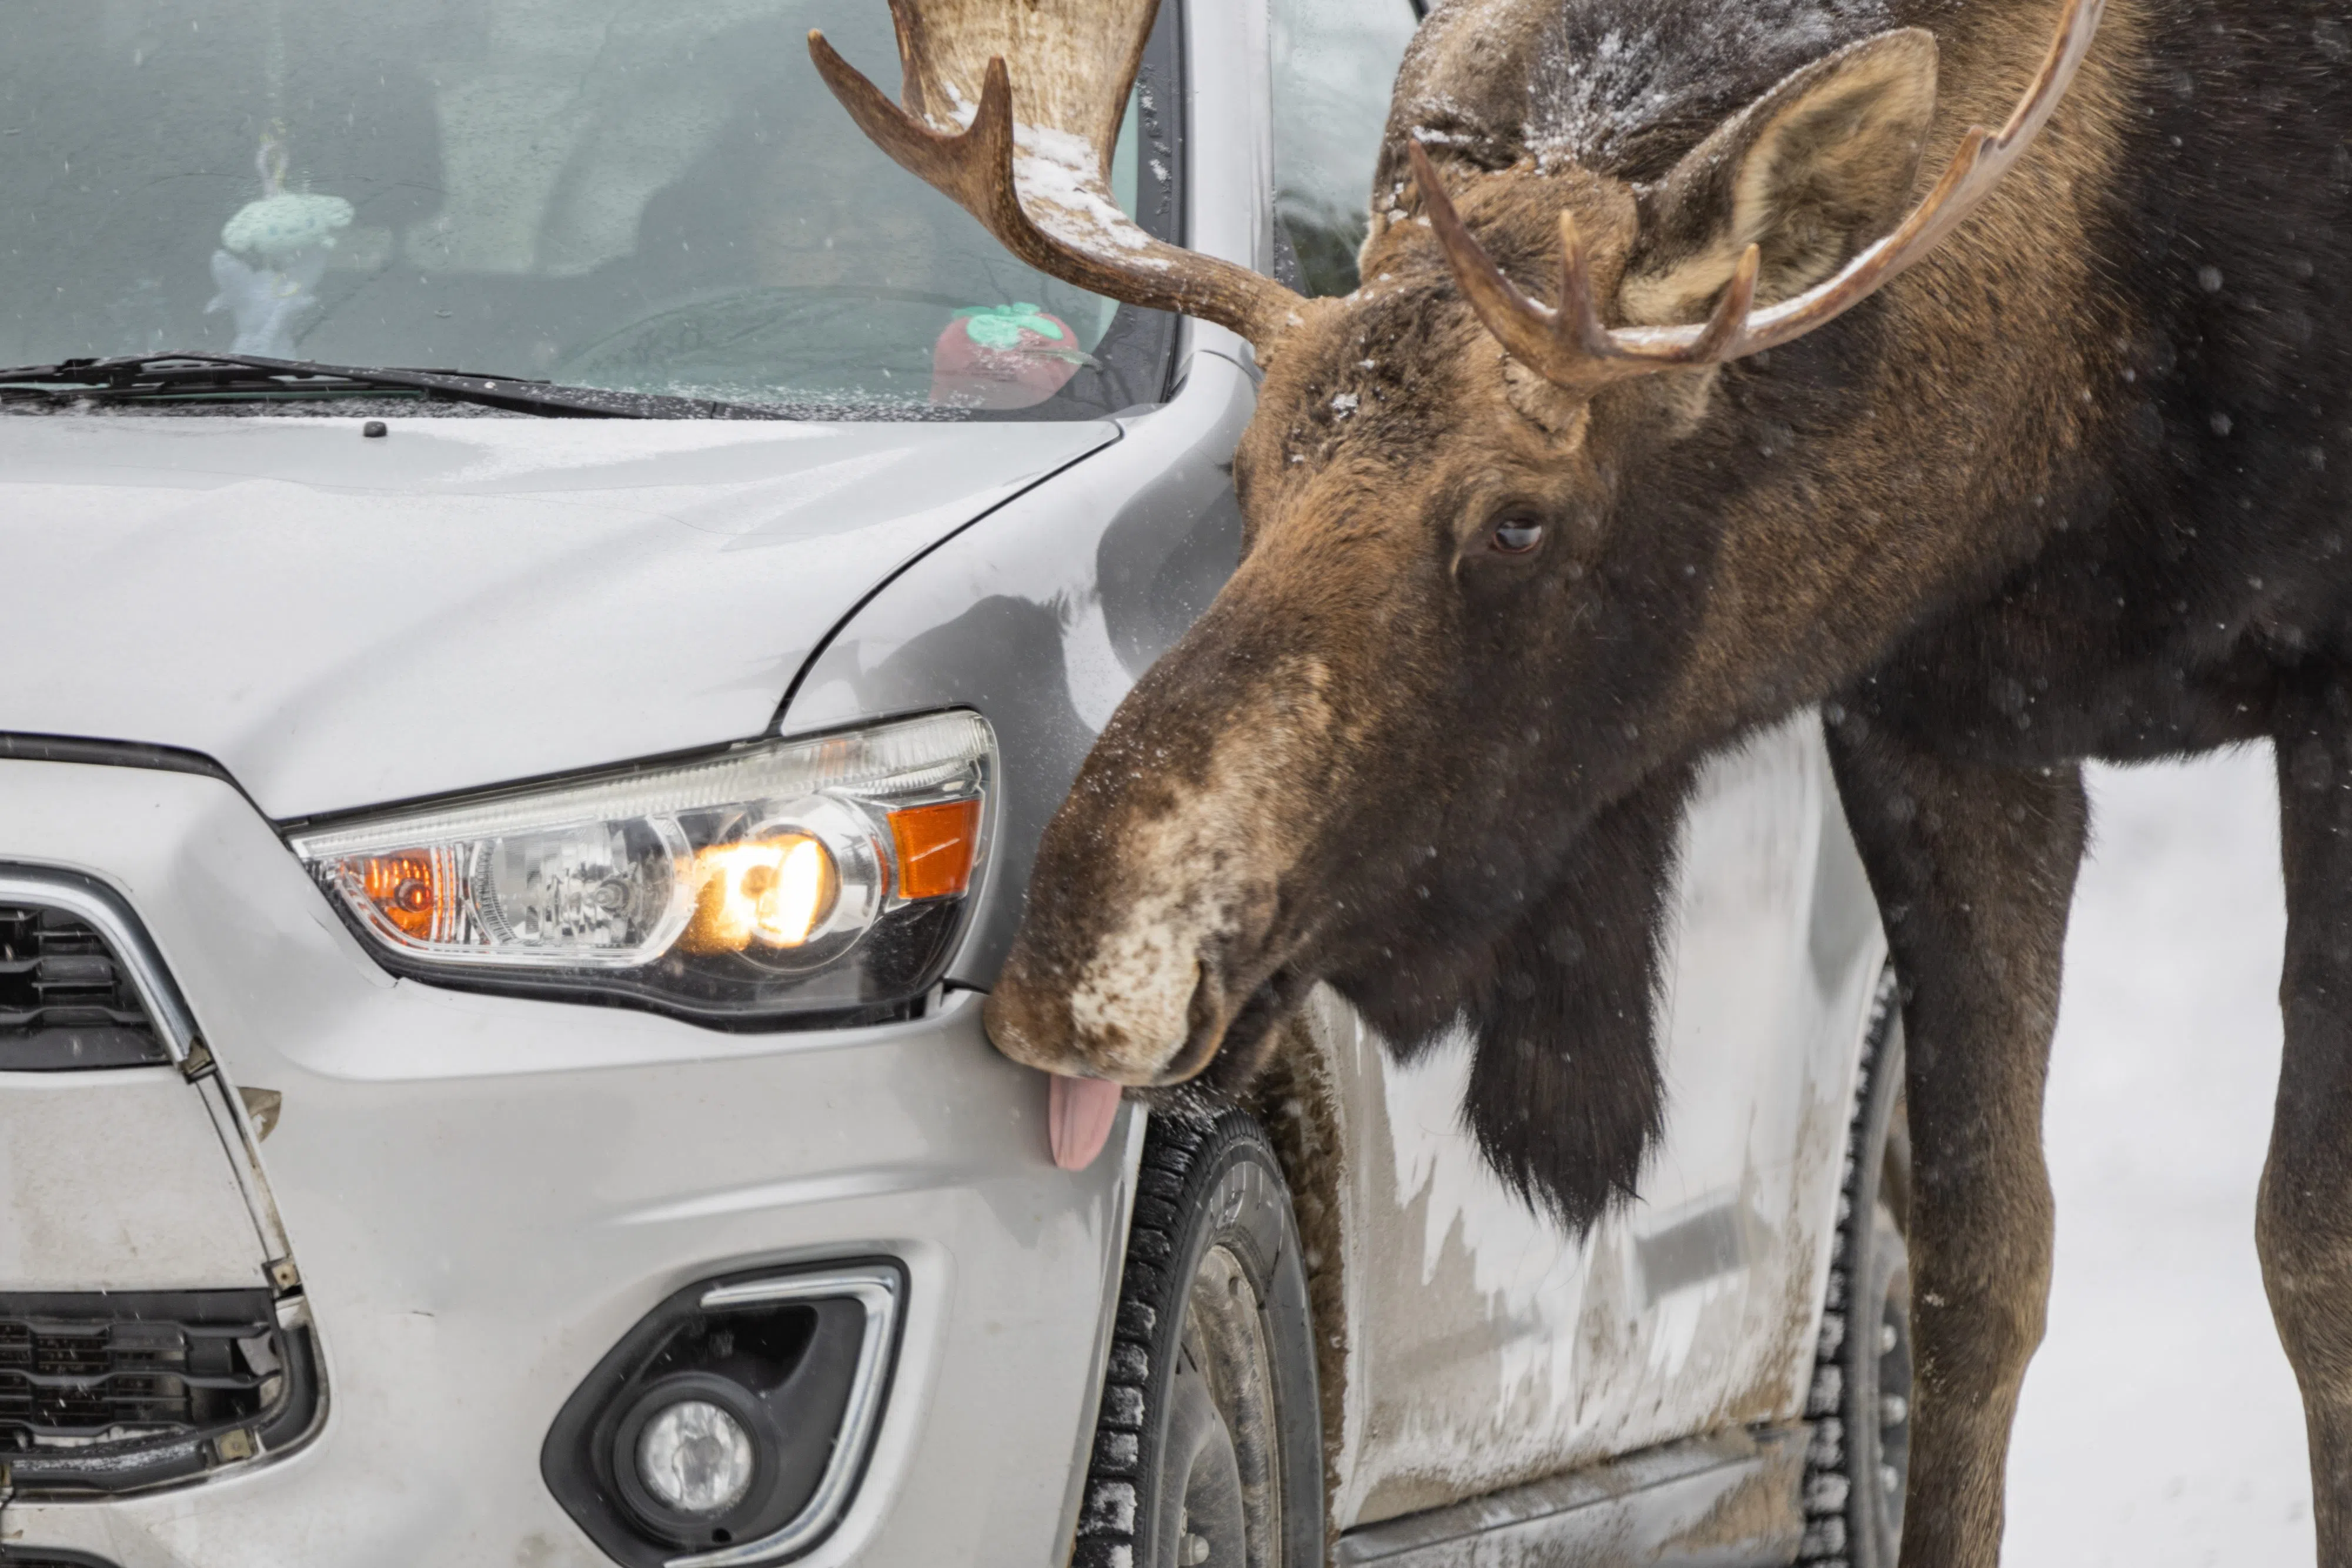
[(1483, 1347)]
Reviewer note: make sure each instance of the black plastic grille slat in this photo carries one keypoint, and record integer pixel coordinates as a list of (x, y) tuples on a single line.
[(65, 999), (70, 1380)]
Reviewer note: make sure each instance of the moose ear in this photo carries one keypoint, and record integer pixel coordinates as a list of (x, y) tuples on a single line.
[(1811, 172)]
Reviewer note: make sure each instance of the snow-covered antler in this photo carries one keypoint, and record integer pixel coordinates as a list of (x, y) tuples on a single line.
[(1012, 108), (1571, 345)]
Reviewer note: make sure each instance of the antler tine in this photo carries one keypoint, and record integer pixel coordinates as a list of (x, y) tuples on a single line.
[(1572, 347), (1040, 190), (1569, 344), (1638, 351), (1529, 331)]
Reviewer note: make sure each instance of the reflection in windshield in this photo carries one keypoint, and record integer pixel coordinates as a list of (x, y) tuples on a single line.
[(649, 195), (272, 255), (1335, 63)]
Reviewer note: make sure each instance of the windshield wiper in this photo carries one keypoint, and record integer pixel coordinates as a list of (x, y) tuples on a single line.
[(213, 378)]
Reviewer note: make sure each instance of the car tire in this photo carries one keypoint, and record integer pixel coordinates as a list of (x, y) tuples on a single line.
[(1859, 1460), (1208, 1448)]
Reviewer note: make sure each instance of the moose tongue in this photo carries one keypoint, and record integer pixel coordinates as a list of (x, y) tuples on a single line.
[(1079, 1111)]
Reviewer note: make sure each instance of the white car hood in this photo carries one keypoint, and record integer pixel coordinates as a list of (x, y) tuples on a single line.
[(342, 621)]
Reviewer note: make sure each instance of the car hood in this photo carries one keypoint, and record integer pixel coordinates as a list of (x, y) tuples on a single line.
[(342, 621)]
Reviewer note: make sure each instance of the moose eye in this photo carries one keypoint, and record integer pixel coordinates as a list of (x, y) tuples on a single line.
[(1516, 536)]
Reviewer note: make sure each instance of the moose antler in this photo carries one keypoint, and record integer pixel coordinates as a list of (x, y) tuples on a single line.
[(1571, 347), (1031, 160)]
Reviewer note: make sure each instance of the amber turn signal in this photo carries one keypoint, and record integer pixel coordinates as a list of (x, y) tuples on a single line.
[(408, 888), (936, 845)]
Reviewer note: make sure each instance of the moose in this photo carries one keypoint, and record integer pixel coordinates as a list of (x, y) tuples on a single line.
[(1715, 363)]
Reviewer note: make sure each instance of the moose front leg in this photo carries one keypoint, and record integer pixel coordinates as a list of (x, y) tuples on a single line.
[(1974, 869), (2303, 1224)]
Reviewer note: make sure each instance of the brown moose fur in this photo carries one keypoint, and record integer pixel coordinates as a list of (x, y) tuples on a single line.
[(2071, 489)]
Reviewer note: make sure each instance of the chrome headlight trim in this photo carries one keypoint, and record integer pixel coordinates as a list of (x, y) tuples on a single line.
[(820, 879)]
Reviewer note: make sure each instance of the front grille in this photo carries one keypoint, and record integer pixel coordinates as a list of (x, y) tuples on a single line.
[(65, 999), (104, 1369)]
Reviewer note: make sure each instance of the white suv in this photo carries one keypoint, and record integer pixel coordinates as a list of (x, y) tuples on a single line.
[(498, 865)]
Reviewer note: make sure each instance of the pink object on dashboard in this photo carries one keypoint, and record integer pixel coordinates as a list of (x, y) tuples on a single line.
[(1004, 356)]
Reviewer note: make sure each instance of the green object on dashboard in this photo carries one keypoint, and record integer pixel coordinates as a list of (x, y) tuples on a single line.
[(1001, 326)]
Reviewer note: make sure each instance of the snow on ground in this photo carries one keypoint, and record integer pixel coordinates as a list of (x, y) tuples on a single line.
[(2161, 1426)]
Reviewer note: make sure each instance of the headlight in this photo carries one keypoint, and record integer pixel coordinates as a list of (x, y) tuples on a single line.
[(827, 875)]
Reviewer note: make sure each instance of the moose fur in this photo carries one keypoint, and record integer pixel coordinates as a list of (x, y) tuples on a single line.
[(2072, 487)]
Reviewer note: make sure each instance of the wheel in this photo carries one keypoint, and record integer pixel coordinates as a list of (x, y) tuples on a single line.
[(1208, 1447), (1861, 1403)]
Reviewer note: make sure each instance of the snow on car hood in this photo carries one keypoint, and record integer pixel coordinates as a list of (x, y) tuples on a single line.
[(342, 621)]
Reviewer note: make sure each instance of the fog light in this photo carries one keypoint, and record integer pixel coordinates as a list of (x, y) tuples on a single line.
[(695, 1457), (733, 1420)]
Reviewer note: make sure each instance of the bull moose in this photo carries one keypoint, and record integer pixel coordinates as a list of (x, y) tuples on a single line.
[(1714, 361)]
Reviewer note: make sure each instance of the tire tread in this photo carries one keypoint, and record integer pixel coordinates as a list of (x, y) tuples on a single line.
[(1830, 1456), (1174, 1150)]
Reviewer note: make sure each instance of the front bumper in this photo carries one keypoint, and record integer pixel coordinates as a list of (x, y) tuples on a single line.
[(483, 1195)]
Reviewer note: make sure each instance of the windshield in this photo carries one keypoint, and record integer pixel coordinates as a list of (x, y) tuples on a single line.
[(646, 195)]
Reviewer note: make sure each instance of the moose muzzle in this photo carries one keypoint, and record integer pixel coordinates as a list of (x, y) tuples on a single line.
[(1154, 920)]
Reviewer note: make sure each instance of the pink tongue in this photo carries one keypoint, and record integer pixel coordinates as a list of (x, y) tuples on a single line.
[(1078, 1114)]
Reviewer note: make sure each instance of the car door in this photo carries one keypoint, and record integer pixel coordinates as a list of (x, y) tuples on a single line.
[(1481, 1345)]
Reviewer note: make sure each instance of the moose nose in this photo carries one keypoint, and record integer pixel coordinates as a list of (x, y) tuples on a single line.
[(1079, 1108)]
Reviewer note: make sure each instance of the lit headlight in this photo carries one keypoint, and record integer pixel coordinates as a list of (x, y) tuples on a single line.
[(827, 875)]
